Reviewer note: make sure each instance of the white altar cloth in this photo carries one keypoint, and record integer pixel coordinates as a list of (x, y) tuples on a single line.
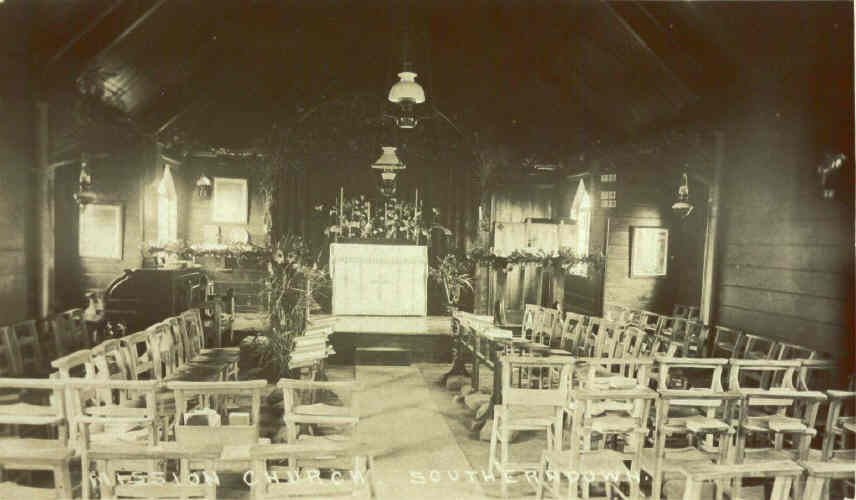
[(379, 280)]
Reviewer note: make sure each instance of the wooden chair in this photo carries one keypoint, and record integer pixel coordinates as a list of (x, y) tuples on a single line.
[(630, 343), (783, 473), (310, 404), (50, 454), (648, 321), (351, 467), (549, 319), (701, 415), (218, 401), (71, 331), (109, 361), (531, 314), (769, 415), (725, 342), (572, 329), (224, 360), (784, 351), (48, 341), (612, 373), (837, 461), (115, 425), (606, 340), (582, 464), (754, 347), (694, 313), (680, 311), (534, 394), (141, 359), (589, 339), (695, 339), (8, 360), (26, 349), (76, 365), (134, 482)]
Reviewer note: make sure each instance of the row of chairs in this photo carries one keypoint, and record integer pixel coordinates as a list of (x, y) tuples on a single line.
[(27, 347), (726, 342), (215, 428), (725, 435)]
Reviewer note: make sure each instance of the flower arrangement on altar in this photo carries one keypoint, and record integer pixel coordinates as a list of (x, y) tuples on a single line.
[(564, 259), (391, 218)]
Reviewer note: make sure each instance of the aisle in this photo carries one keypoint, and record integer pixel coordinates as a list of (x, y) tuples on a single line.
[(399, 415)]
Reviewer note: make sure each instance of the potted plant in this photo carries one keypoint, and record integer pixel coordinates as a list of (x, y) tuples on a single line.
[(453, 275), (291, 275)]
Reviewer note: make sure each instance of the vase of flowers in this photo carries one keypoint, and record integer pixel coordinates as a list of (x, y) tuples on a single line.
[(360, 219), (294, 279), (454, 275)]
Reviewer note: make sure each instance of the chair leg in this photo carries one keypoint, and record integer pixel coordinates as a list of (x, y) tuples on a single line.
[(85, 483), (62, 481), (692, 489), (814, 488), (493, 437), (781, 488), (542, 476)]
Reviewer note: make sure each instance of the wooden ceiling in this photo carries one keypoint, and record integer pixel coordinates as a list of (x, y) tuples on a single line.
[(556, 71)]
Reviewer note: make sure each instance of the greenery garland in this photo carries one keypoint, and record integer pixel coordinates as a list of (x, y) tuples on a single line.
[(565, 259), (240, 252)]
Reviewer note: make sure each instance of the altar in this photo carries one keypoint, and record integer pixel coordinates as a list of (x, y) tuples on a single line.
[(379, 280)]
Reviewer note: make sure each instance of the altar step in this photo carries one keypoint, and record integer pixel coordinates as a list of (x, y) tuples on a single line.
[(387, 356), (390, 348)]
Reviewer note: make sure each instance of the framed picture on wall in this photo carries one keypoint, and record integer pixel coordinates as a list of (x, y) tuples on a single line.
[(649, 251), (101, 231), (230, 201)]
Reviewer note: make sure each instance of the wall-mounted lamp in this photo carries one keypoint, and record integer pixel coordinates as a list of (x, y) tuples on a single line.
[(203, 187), (84, 195), (682, 205), (829, 172)]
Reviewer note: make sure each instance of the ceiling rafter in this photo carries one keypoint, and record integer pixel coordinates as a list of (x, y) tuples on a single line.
[(82, 33), (654, 56), (130, 29)]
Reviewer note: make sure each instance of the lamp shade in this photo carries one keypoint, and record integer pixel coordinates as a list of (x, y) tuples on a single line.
[(388, 160), (203, 181), (407, 89)]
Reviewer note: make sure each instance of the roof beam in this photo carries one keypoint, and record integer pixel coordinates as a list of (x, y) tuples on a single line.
[(644, 45), (83, 32), (130, 29)]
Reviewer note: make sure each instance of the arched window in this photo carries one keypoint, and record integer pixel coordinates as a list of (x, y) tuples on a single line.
[(167, 208), (581, 212)]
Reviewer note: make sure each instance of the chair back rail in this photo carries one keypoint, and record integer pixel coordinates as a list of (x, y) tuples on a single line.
[(26, 348)]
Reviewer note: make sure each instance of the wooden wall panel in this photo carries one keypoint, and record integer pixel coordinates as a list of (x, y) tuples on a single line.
[(18, 221), (198, 211), (116, 179), (810, 283), (786, 260)]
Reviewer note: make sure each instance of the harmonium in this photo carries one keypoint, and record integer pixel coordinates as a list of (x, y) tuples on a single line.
[(142, 297)]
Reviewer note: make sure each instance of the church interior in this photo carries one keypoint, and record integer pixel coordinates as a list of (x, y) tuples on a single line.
[(268, 249)]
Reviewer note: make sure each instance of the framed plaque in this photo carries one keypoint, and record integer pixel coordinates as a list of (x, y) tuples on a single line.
[(101, 231), (230, 201), (649, 251)]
